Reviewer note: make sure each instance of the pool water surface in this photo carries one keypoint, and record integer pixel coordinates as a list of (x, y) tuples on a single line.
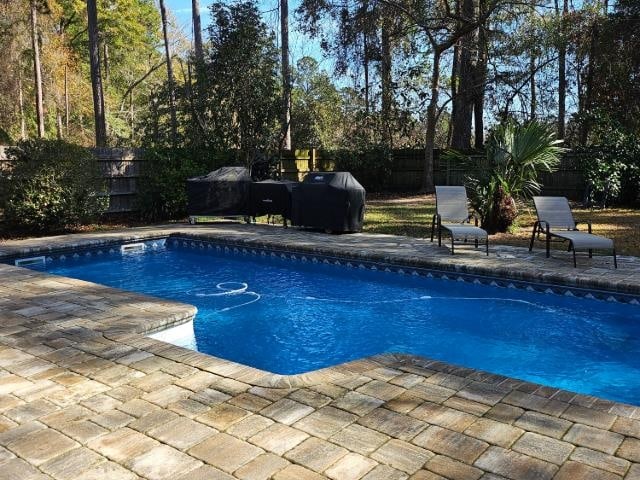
[(291, 317)]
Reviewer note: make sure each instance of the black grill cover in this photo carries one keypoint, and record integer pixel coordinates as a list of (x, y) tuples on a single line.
[(331, 201), (224, 192), (271, 197)]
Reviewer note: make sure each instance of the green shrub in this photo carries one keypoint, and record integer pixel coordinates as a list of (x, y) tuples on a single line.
[(610, 160), (612, 170), (162, 192), (52, 185)]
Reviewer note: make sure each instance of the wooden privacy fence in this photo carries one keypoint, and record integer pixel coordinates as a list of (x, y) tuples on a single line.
[(406, 170), (122, 168)]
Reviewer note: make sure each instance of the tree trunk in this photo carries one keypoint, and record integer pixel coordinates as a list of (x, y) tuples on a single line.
[(170, 78), (66, 100), (37, 69), (454, 80), (105, 61), (286, 75), (480, 81), (96, 76), (197, 32), (533, 101), (463, 106), (133, 118), (23, 124), (588, 97), (562, 71), (58, 124), (105, 83), (430, 137), (365, 64), (386, 84)]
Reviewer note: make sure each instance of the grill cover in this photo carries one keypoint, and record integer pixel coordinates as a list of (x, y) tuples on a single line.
[(271, 197), (331, 201), (222, 192)]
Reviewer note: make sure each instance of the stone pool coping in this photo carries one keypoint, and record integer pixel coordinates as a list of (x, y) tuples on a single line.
[(84, 394)]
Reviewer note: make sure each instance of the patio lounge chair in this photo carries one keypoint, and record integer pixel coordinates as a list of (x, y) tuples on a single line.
[(451, 207), (556, 220)]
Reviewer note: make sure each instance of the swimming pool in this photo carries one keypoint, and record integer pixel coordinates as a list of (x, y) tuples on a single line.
[(290, 317)]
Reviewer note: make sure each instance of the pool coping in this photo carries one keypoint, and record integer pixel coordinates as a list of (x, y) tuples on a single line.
[(132, 332)]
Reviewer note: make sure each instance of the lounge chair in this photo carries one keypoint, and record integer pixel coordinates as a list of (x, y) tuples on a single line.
[(556, 220), (451, 208)]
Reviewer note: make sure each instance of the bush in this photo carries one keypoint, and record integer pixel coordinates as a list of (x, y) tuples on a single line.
[(162, 192), (52, 185), (612, 171)]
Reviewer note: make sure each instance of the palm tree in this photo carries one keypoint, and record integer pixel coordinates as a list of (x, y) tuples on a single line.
[(515, 156)]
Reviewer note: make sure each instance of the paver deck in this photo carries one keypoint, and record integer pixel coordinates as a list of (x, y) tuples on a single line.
[(85, 395)]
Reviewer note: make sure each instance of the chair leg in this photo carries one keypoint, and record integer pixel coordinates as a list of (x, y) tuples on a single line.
[(439, 236), (615, 260), (533, 236), (433, 226), (574, 257), (590, 253), (548, 245), (486, 245)]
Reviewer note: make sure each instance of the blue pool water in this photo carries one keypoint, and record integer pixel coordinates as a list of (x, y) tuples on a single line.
[(292, 317)]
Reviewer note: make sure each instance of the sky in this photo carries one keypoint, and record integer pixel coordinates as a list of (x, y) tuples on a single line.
[(299, 44)]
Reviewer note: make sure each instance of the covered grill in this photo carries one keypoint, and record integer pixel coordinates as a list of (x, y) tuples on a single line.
[(223, 192), (332, 201), (271, 197)]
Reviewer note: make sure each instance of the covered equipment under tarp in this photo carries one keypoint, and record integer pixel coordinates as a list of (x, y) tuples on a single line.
[(223, 192), (271, 197), (332, 201)]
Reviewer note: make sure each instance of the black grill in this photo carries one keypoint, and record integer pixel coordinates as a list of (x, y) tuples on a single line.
[(330, 201)]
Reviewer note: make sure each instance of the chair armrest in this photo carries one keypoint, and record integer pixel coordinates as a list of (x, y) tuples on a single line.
[(546, 228), (589, 226)]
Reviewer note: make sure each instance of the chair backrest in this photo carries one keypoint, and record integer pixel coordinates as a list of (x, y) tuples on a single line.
[(451, 203), (555, 211)]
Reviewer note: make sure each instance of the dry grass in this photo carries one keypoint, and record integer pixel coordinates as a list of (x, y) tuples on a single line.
[(411, 216)]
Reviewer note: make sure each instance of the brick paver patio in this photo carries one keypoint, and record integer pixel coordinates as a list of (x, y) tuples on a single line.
[(85, 395)]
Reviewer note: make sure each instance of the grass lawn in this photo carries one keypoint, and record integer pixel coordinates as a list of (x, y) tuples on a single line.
[(411, 216)]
